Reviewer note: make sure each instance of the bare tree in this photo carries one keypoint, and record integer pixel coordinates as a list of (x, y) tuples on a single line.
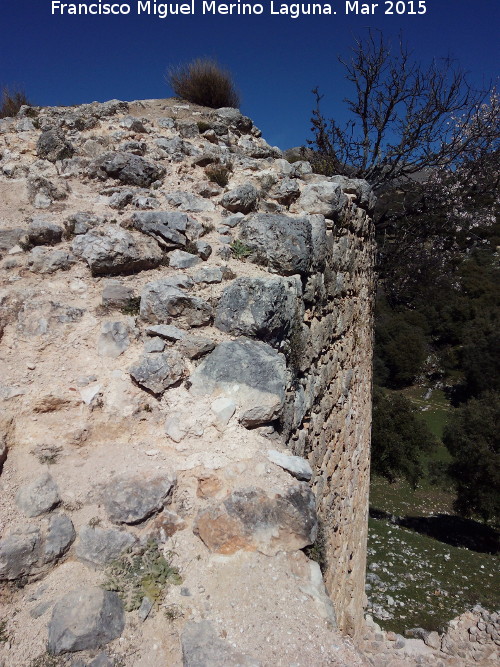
[(405, 118)]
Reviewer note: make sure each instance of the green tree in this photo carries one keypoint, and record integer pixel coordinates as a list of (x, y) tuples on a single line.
[(472, 438), (399, 438)]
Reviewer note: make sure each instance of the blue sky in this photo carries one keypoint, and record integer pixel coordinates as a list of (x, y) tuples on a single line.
[(275, 60)]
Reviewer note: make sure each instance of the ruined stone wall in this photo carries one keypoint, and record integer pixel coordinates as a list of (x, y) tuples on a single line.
[(331, 419), (185, 354)]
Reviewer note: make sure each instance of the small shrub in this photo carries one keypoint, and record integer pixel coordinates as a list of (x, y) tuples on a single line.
[(218, 173), (203, 126), (205, 83), (11, 101), (240, 250), (132, 307), (142, 572)]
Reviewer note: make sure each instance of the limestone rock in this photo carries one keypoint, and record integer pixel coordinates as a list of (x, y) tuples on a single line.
[(185, 201), (202, 647), (209, 275), (52, 145), (223, 409), (86, 618), (39, 496), (133, 498), (114, 339), (42, 232), (44, 261), (114, 250), (295, 465), (278, 241), (157, 372), (162, 302), (10, 238), (116, 295), (250, 373), (257, 307), (324, 197), (242, 199), (19, 552), (169, 228), (155, 344), (195, 347), (203, 249), (167, 331), (59, 537), (126, 167), (100, 546), (132, 124), (178, 259), (249, 519)]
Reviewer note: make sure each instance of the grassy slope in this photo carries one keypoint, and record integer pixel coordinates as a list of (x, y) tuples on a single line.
[(428, 581)]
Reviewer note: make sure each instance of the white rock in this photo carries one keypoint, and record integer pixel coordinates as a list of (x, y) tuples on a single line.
[(224, 409), (296, 465)]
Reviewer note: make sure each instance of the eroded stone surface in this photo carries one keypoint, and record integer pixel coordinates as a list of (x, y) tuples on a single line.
[(158, 371), (114, 250), (202, 647), (278, 241), (133, 498), (249, 519), (86, 618), (250, 373), (39, 496)]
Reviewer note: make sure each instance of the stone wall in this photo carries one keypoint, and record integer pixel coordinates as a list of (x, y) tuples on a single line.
[(185, 352), (332, 405)]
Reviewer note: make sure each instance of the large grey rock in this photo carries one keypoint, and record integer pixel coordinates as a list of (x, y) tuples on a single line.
[(202, 647), (10, 238), (185, 201), (365, 197), (128, 168), (114, 339), (162, 302), (19, 552), (249, 372), (178, 259), (262, 308), (39, 496), (295, 465), (86, 618), (52, 145), (158, 372), (287, 191), (278, 241), (100, 546), (59, 537), (113, 250), (42, 232), (324, 197), (133, 498), (250, 519), (170, 228), (42, 260), (242, 199)]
